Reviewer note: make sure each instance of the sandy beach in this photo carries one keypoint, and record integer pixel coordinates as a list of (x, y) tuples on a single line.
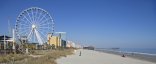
[(95, 57)]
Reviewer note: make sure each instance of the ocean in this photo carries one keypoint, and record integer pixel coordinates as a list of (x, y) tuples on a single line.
[(148, 51), (141, 50), (145, 51)]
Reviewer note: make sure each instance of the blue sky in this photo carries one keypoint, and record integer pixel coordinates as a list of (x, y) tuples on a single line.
[(102, 23)]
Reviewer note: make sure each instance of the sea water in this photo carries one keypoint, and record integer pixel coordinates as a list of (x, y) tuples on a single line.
[(144, 51), (147, 51)]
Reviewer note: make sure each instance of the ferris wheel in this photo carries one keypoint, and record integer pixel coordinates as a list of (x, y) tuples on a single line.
[(34, 24)]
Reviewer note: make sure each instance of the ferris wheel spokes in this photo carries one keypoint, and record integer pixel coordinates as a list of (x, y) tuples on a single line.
[(29, 15), (40, 20)]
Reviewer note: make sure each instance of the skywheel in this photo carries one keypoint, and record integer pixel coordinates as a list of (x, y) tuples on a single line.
[(34, 24)]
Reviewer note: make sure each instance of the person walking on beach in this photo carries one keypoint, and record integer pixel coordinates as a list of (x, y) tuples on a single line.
[(123, 55), (80, 53)]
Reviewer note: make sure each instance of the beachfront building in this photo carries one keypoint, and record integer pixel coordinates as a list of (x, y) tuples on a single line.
[(78, 46), (54, 40), (63, 43), (70, 44), (89, 47), (5, 42)]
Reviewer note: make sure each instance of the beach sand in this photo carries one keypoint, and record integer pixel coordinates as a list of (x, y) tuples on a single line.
[(95, 57)]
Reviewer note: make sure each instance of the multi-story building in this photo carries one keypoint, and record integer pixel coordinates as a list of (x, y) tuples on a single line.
[(70, 44), (63, 43), (54, 40), (5, 42)]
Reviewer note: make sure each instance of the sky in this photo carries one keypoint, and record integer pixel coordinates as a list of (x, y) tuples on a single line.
[(100, 23)]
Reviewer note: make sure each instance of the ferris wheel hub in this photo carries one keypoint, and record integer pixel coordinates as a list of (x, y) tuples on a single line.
[(33, 26)]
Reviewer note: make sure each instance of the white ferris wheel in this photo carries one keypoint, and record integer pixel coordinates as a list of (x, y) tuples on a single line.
[(34, 24)]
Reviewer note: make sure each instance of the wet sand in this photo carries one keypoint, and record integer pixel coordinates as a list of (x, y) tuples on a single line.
[(145, 57)]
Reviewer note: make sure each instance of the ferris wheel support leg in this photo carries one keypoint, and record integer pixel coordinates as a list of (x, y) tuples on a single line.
[(38, 37), (29, 34)]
